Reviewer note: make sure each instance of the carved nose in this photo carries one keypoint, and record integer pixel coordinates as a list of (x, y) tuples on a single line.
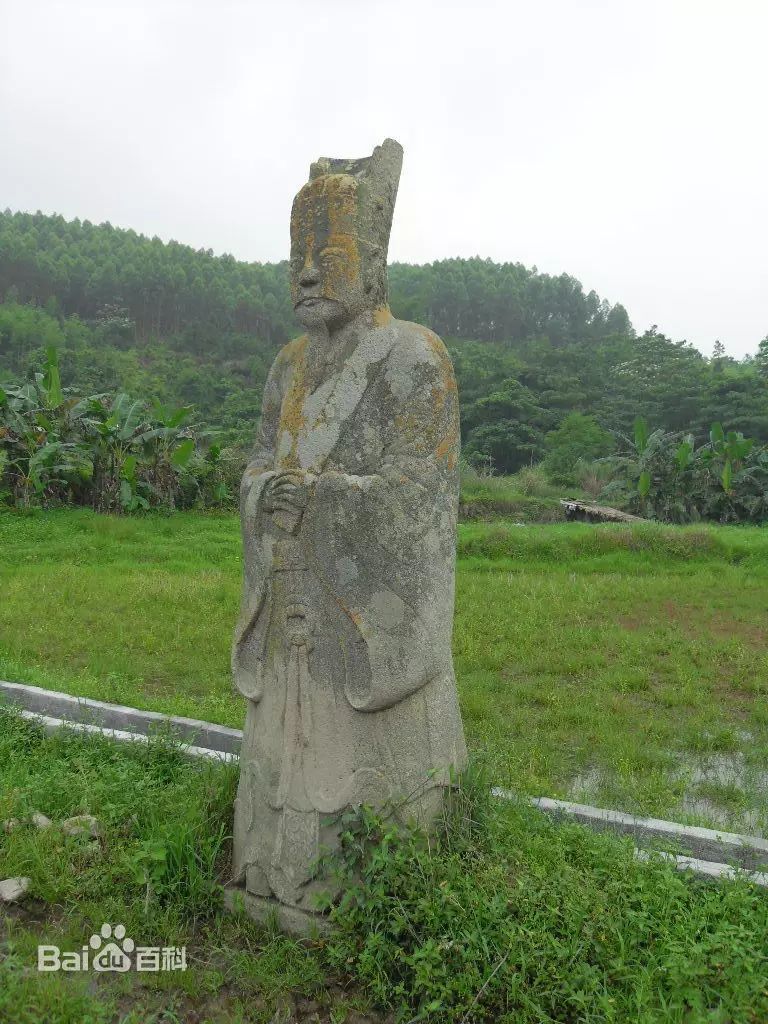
[(308, 277)]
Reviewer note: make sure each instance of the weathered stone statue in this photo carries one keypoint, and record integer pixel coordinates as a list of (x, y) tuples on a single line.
[(349, 501)]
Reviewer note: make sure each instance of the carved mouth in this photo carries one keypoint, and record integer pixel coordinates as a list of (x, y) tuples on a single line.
[(310, 301)]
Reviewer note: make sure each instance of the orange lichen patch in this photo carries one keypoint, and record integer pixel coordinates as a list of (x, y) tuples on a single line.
[(309, 250), (433, 341), (343, 214), (413, 428), (312, 208), (351, 613), (438, 396), (292, 350), (343, 269), (406, 422), (441, 394), (338, 186), (445, 366), (382, 315), (324, 228), (292, 418), (446, 449)]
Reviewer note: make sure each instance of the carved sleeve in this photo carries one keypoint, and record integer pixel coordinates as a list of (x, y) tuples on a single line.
[(246, 666), (418, 428), (385, 541)]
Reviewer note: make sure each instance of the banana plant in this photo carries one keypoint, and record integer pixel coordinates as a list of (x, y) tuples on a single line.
[(685, 452), (732, 448), (113, 452), (50, 385)]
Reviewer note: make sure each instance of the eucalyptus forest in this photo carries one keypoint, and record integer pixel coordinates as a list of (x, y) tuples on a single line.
[(115, 346)]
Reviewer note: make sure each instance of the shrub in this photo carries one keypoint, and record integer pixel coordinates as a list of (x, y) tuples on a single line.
[(578, 439)]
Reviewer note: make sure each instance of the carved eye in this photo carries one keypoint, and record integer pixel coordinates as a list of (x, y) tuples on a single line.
[(331, 255)]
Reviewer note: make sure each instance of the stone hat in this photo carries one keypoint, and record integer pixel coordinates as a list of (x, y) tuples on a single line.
[(378, 176)]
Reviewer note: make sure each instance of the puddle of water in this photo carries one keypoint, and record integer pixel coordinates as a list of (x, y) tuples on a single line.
[(720, 790)]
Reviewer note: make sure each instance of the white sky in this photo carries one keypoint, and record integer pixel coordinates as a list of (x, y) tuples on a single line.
[(621, 141)]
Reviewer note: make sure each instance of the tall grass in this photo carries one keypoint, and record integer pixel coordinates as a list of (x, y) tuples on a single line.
[(528, 496)]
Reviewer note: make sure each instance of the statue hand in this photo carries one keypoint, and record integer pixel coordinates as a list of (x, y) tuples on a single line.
[(286, 496), (285, 491)]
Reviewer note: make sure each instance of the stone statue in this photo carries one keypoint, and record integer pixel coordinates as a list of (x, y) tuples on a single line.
[(349, 503)]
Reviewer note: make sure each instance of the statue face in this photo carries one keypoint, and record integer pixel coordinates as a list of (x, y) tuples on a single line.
[(327, 275)]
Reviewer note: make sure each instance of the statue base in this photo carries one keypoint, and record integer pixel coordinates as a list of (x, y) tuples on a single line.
[(291, 920)]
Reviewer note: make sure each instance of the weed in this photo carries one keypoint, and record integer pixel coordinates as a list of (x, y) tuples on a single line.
[(507, 917)]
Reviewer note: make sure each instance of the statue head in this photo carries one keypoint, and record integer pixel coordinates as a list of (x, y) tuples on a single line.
[(340, 225)]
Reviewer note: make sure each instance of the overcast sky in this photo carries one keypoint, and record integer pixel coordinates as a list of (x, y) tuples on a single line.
[(621, 141)]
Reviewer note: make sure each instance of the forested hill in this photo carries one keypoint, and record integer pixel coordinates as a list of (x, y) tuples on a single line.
[(76, 268), (164, 320)]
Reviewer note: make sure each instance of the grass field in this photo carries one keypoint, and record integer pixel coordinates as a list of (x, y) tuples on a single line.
[(626, 666), (506, 918)]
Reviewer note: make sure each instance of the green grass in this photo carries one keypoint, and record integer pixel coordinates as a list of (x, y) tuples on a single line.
[(615, 664), (526, 497), (508, 917), (158, 811), (505, 917)]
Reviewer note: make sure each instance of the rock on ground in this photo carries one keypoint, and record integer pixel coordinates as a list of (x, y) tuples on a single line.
[(12, 889), (81, 825)]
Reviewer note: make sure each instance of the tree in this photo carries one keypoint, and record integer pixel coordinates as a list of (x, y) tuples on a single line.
[(506, 427), (578, 439), (761, 359), (173, 324)]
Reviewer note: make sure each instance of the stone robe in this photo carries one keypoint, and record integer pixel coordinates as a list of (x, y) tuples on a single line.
[(343, 647)]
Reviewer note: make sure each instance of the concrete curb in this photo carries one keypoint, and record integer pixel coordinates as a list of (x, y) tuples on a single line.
[(707, 852), (52, 725), (706, 868), (749, 852), (55, 705)]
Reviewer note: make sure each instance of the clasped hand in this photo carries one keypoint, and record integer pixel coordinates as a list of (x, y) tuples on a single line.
[(287, 491)]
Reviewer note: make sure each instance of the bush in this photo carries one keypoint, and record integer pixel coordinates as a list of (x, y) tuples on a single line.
[(579, 439)]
